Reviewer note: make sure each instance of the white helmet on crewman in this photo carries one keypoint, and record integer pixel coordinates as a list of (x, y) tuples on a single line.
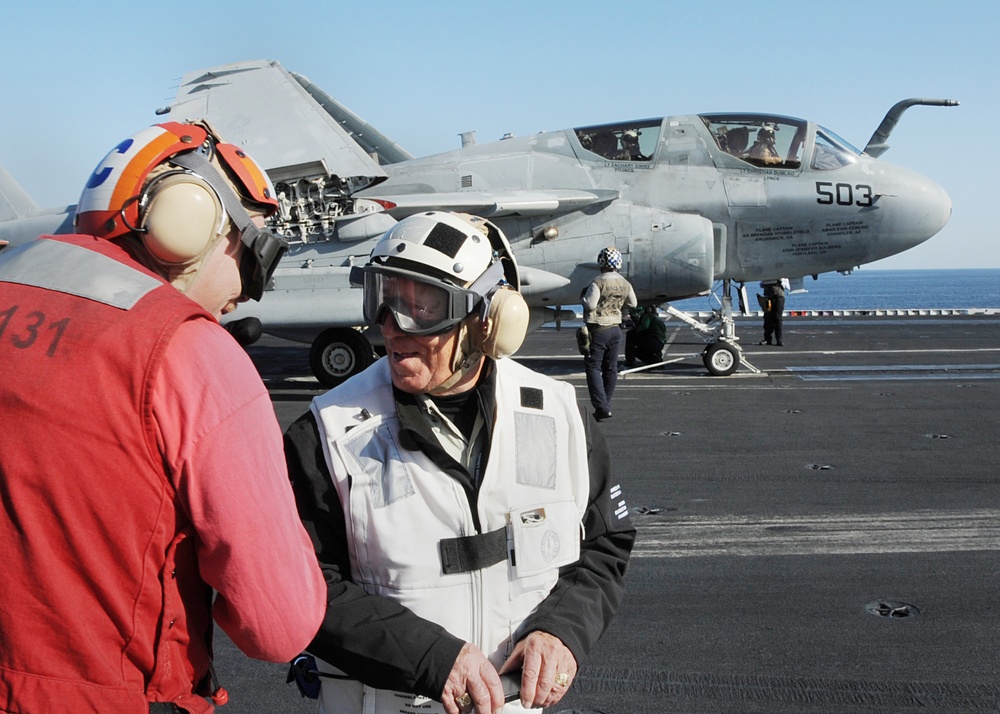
[(434, 270)]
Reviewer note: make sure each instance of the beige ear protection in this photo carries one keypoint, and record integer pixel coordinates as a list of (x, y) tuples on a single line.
[(180, 217), (506, 323)]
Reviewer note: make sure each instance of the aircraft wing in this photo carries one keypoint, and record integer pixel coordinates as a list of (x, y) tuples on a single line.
[(261, 106), (374, 142), (495, 204), (21, 220)]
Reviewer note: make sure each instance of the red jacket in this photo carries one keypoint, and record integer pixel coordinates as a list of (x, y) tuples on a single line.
[(101, 604)]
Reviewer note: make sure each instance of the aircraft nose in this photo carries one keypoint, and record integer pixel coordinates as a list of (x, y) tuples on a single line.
[(916, 207)]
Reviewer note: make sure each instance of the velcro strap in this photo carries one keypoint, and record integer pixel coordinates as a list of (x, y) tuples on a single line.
[(463, 555)]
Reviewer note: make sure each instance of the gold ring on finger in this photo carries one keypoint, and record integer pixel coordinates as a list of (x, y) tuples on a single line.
[(464, 701), (562, 679)]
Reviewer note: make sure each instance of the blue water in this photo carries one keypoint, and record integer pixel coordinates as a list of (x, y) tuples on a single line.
[(883, 289)]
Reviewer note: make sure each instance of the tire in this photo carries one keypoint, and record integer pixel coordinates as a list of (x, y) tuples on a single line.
[(339, 353), (721, 360)]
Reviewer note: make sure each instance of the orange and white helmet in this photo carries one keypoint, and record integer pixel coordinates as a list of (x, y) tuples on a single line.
[(109, 204), (116, 194)]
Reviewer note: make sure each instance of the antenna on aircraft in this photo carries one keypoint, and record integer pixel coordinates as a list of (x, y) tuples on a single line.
[(876, 145)]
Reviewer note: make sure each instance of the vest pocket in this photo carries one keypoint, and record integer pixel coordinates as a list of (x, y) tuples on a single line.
[(545, 537), (534, 437), (373, 460)]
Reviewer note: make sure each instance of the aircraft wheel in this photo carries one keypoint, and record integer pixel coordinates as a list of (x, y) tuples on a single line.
[(338, 353), (721, 359)]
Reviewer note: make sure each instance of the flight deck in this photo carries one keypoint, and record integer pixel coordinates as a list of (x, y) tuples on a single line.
[(819, 536)]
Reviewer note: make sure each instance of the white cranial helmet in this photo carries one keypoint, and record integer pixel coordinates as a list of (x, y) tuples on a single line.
[(467, 259)]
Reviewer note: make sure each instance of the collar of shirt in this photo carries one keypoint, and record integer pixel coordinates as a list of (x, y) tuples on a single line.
[(423, 427)]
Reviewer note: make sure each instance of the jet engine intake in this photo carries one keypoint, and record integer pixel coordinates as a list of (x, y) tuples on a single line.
[(673, 254)]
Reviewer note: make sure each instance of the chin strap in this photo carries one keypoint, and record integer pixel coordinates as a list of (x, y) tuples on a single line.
[(463, 360), (467, 355)]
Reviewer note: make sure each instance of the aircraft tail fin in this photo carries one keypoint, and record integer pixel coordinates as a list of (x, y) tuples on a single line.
[(14, 202), (263, 107)]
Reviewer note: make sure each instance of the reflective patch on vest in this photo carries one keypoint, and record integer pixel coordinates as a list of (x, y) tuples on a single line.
[(383, 471), (532, 398), (70, 269), (534, 436), (621, 510)]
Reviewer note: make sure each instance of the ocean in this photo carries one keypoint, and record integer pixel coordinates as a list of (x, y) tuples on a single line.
[(883, 290)]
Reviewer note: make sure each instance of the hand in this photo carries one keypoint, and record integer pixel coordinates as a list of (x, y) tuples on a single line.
[(543, 660), (476, 676)]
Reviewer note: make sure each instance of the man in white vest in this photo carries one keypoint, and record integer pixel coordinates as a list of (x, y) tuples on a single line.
[(462, 508)]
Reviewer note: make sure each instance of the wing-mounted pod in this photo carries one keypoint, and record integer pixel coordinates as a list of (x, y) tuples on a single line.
[(876, 145), (315, 164), (496, 204)]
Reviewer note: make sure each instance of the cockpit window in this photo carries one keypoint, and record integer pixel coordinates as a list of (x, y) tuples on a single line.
[(769, 141), (631, 141), (832, 152)]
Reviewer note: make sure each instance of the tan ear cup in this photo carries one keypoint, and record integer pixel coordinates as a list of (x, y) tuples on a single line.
[(181, 219), (506, 324)]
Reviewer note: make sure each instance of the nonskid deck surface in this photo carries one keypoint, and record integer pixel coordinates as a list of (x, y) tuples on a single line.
[(823, 536)]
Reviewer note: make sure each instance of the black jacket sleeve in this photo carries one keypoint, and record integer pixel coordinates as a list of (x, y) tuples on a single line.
[(372, 638), (588, 592)]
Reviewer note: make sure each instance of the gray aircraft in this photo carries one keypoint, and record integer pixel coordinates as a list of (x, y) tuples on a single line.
[(695, 203)]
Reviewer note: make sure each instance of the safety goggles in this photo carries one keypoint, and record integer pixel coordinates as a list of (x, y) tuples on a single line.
[(262, 252), (420, 305)]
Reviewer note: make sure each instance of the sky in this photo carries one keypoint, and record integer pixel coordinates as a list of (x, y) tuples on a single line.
[(80, 77)]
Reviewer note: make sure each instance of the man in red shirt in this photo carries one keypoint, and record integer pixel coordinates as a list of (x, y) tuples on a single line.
[(142, 478)]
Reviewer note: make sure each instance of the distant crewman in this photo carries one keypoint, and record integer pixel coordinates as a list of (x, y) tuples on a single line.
[(603, 301), (142, 482), (646, 338), (772, 302)]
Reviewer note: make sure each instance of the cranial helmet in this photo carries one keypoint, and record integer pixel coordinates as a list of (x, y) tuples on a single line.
[(434, 270), (610, 258), (177, 188)]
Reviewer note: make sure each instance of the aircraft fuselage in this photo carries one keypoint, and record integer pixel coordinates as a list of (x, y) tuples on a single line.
[(700, 199)]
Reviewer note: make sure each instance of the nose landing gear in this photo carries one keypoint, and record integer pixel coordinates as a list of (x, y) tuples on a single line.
[(723, 355)]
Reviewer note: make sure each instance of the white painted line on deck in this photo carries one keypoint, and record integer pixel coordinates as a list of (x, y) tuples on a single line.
[(849, 534), (879, 372)]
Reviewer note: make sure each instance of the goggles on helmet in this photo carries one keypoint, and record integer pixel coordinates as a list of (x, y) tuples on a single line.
[(261, 253), (419, 306), (422, 305)]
